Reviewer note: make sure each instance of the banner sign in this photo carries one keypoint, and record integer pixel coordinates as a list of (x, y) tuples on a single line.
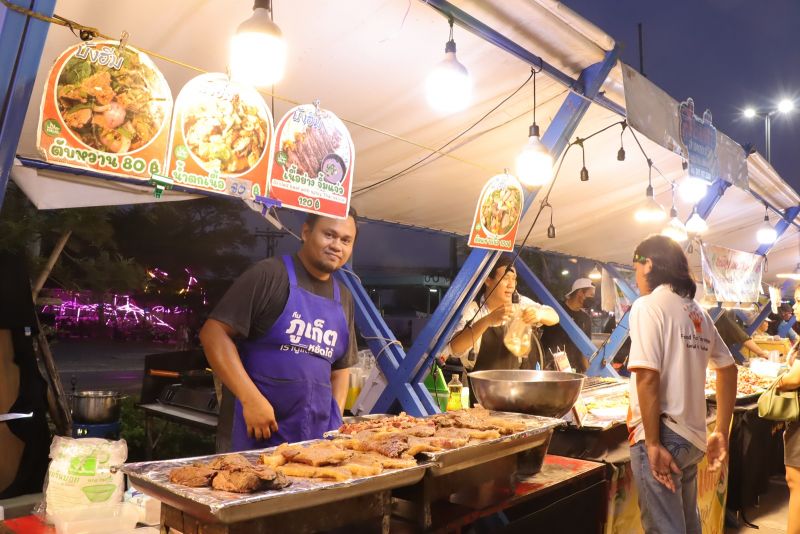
[(710, 153), (313, 162), (221, 138), (106, 108), (497, 214), (731, 275)]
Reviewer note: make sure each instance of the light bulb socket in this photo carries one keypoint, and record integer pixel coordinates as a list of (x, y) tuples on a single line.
[(649, 192), (551, 231), (263, 4), (533, 131), (450, 47), (684, 164), (673, 213), (584, 174), (621, 154)]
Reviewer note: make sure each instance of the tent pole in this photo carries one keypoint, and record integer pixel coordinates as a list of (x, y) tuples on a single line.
[(21, 44)]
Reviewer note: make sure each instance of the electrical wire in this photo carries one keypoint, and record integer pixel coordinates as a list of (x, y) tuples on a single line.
[(439, 150)]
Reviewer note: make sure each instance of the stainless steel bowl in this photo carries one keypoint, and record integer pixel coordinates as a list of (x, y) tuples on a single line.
[(546, 393), (95, 406)]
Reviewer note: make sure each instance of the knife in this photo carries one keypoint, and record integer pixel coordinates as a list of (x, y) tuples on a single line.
[(11, 416)]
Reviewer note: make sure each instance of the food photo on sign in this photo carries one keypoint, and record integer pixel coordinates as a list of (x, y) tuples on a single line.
[(314, 161), (105, 107), (221, 138), (497, 214)]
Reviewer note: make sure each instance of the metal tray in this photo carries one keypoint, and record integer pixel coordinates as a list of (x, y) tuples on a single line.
[(538, 432), (217, 506), (444, 462)]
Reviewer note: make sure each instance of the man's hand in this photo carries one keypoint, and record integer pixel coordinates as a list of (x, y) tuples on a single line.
[(662, 465), (500, 315), (530, 315), (259, 417), (716, 450)]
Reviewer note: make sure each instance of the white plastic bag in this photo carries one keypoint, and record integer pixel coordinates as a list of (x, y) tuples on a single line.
[(517, 338), (84, 472)]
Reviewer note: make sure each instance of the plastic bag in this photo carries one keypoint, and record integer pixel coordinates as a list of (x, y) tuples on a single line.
[(518, 334), (84, 472)]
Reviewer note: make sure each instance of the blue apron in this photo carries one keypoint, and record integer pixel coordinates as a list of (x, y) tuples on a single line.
[(291, 366)]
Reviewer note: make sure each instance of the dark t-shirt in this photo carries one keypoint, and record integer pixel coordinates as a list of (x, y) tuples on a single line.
[(729, 330), (257, 298), (554, 338)]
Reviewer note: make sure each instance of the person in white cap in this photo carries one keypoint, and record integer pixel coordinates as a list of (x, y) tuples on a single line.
[(554, 338)]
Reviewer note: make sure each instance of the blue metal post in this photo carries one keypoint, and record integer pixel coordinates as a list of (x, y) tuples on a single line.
[(781, 226), (472, 274), (713, 195), (630, 293), (763, 314), (21, 44)]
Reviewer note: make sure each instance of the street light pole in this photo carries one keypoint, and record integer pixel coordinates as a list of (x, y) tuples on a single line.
[(784, 106), (767, 127)]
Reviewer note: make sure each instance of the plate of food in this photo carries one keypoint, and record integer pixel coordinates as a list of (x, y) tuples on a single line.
[(500, 209), (118, 106)]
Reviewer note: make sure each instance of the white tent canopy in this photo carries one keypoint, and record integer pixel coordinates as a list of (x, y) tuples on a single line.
[(367, 61)]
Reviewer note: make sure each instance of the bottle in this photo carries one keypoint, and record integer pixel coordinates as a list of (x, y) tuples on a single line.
[(455, 387)]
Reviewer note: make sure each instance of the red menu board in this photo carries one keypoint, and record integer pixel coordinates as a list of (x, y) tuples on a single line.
[(107, 108), (221, 138), (313, 162), (497, 214)]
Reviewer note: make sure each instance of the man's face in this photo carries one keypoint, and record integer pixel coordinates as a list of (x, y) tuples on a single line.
[(796, 307), (329, 244), (502, 287), (587, 294), (786, 315), (642, 270)]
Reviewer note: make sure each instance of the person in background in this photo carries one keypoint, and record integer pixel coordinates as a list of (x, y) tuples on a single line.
[(786, 324), (763, 327), (733, 334), (295, 341), (673, 340), (790, 381), (555, 338), (479, 339), (24, 443)]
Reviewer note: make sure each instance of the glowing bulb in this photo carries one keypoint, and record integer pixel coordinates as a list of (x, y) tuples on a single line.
[(565, 272), (696, 224), (534, 163), (766, 234), (675, 230), (650, 210), (257, 51), (448, 86), (693, 189), (785, 105), (749, 113), (595, 274)]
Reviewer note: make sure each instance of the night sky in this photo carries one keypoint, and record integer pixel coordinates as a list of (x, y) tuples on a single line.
[(726, 54)]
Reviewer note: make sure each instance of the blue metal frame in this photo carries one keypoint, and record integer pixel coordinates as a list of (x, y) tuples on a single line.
[(630, 293), (21, 44), (466, 284), (780, 227), (763, 314)]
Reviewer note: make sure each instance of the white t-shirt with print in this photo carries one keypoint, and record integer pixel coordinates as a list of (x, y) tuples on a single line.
[(676, 337)]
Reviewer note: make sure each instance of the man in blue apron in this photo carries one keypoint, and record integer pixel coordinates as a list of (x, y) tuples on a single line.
[(282, 340)]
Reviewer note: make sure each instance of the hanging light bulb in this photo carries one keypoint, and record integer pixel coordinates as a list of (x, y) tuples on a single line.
[(621, 151), (257, 49), (693, 189), (534, 163), (696, 224), (675, 229), (766, 234), (448, 86), (650, 210), (595, 274)]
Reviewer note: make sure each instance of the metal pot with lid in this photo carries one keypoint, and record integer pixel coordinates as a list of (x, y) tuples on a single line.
[(96, 407)]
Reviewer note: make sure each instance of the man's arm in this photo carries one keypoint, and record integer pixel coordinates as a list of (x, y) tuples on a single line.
[(217, 340), (755, 349), (648, 391), (340, 382), (726, 397), (465, 340)]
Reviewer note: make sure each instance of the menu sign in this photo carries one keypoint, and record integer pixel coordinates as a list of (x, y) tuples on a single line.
[(105, 107), (221, 138), (497, 214), (314, 161)]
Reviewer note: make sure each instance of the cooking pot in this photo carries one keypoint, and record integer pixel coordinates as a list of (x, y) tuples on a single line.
[(95, 407)]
